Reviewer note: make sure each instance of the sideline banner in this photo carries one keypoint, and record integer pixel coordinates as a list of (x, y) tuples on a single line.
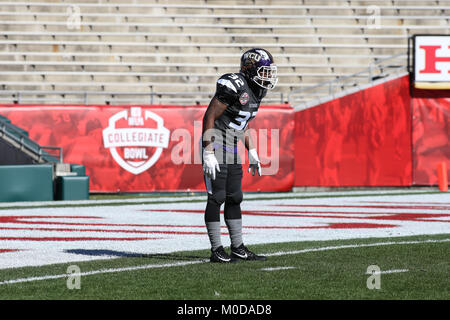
[(362, 139), (153, 148), (431, 138)]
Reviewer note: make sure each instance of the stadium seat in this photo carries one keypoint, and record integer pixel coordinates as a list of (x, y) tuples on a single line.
[(182, 46)]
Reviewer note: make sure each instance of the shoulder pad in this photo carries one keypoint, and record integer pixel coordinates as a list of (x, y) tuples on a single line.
[(234, 81), (227, 82), (229, 88)]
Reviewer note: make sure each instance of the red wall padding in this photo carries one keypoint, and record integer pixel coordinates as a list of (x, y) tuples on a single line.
[(431, 134), (363, 139), (78, 129), (380, 136)]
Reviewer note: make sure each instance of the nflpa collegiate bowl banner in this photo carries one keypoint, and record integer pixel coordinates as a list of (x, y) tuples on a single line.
[(153, 148)]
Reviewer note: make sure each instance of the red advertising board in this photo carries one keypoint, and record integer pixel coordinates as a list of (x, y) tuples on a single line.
[(152, 148), (431, 136), (362, 139)]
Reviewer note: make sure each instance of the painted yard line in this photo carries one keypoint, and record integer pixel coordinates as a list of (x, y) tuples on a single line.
[(184, 263), (361, 245), (277, 268), (103, 271), (390, 271)]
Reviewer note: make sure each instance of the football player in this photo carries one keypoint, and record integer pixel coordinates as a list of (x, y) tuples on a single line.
[(226, 121)]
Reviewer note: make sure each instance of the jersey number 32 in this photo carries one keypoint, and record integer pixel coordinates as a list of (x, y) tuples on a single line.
[(242, 121)]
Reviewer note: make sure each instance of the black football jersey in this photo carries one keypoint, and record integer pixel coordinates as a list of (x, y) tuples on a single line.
[(242, 103)]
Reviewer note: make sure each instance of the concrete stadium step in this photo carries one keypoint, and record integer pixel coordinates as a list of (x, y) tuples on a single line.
[(363, 61), (424, 22), (24, 85), (348, 51), (377, 41), (311, 41)]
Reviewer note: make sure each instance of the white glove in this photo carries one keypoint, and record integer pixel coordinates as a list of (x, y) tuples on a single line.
[(210, 164), (254, 162)]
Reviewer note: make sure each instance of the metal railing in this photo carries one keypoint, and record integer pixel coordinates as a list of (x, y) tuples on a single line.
[(325, 91), (22, 142)]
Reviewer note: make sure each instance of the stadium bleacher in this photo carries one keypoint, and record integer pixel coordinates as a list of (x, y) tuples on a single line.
[(110, 52)]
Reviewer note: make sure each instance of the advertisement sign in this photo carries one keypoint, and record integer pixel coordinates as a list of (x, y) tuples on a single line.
[(431, 61), (153, 148)]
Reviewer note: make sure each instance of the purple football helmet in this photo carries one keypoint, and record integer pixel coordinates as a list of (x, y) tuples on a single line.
[(258, 65)]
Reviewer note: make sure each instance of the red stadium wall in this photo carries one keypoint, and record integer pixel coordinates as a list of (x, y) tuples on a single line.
[(362, 139), (380, 136), (80, 130), (431, 134)]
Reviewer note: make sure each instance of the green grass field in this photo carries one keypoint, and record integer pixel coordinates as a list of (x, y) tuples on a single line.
[(420, 267)]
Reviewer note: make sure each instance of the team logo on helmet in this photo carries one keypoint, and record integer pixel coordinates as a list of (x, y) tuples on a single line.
[(134, 142), (258, 65), (243, 99)]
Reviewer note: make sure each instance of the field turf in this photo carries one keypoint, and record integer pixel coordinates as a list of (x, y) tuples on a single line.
[(415, 267)]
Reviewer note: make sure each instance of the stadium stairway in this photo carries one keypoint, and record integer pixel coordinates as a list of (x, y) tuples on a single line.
[(28, 172), (171, 52)]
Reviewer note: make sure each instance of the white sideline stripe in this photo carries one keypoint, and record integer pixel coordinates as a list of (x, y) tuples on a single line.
[(389, 271), (184, 263), (101, 271), (99, 202), (281, 253), (277, 268), (248, 196)]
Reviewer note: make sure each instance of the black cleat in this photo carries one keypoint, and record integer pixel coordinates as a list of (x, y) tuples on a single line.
[(219, 255), (243, 253)]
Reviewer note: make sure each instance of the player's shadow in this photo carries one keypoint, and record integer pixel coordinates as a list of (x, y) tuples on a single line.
[(113, 253)]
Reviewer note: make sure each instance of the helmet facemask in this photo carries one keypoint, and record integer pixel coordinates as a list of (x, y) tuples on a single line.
[(266, 77)]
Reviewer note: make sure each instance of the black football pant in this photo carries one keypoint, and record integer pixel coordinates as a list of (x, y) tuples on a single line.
[(226, 188)]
